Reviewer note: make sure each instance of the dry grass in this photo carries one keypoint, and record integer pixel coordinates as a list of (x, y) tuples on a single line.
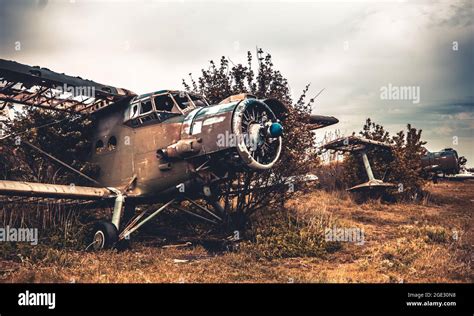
[(426, 242)]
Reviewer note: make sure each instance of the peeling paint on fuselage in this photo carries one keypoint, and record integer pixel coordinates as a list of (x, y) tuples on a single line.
[(135, 155)]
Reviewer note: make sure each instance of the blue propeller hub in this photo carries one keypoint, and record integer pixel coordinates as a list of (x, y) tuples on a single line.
[(276, 130)]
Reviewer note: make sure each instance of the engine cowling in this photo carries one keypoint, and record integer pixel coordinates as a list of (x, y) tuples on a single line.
[(247, 127), (258, 134)]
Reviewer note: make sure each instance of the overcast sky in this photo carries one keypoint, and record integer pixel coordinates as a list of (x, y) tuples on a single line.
[(353, 49)]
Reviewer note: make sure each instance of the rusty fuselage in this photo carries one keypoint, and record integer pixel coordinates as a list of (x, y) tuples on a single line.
[(152, 143)]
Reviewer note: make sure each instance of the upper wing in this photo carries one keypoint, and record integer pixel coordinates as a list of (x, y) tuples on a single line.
[(41, 87)]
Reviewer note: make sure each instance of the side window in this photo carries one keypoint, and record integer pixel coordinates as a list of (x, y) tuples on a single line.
[(134, 110), (99, 146)]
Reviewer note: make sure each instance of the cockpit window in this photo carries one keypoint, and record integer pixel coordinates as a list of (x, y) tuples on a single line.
[(182, 100), (145, 112), (163, 103), (199, 102), (152, 109), (146, 107)]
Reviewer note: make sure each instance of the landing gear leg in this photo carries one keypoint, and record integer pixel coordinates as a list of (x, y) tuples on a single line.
[(128, 215), (118, 208), (105, 234)]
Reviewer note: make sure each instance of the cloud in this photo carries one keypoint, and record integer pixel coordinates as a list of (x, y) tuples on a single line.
[(16, 22), (351, 49)]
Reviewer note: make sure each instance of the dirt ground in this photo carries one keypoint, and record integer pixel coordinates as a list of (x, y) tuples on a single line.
[(429, 241)]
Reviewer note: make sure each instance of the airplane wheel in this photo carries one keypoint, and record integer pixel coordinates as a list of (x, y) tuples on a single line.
[(105, 236)]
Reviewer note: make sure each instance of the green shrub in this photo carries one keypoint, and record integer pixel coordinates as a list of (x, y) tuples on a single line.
[(401, 165)]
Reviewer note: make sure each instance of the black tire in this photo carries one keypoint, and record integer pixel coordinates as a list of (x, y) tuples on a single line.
[(105, 236)]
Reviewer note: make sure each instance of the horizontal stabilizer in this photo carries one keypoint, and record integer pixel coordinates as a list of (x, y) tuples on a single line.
[(354, 143), (320, 121), (373, 184)]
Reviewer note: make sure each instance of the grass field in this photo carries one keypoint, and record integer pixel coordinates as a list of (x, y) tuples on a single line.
[(429, 241)]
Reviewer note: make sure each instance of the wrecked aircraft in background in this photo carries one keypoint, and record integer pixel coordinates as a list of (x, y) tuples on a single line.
[(446, 164)]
